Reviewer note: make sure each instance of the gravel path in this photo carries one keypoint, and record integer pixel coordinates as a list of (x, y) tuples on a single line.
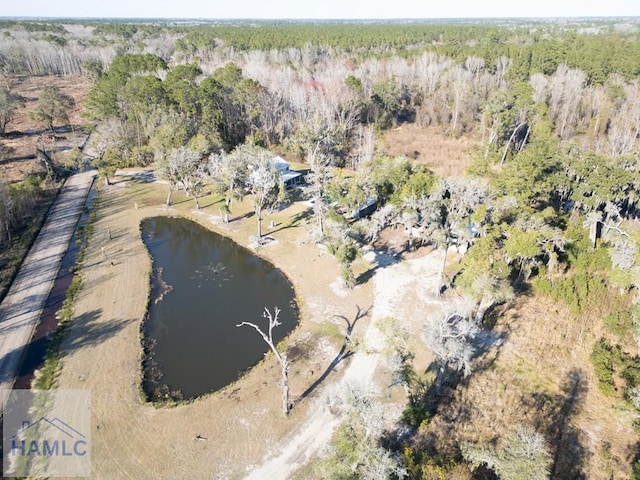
[(21, 308)]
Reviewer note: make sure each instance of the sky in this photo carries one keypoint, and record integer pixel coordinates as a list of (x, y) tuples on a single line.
[(318, 9)]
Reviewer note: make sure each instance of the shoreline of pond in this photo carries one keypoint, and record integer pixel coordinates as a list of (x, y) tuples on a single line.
[(151, 368)]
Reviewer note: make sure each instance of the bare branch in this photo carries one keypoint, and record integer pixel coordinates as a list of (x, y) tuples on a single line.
[(281, 357), (262, 334), (615, 228)]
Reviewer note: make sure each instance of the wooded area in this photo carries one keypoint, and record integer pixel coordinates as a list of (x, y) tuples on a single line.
[(549, 206)]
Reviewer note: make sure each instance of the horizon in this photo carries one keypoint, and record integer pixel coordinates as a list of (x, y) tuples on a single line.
[(357, 10), (314, 19)]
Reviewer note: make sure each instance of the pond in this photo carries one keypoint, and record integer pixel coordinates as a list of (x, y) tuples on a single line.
[(203, 285)]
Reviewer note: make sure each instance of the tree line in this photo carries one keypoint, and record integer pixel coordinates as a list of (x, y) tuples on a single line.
[(598, 48)]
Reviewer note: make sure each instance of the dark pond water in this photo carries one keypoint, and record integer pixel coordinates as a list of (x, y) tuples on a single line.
[(203, 285)]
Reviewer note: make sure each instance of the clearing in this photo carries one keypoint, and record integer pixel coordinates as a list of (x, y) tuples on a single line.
[(24, 135)]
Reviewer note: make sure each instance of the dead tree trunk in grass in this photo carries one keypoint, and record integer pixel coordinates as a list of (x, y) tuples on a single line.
[(171, 188), (224, 213), (281, 357)]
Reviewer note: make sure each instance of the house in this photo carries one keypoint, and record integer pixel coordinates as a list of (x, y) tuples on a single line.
[(365, 210), (290, 178), (281, 164)]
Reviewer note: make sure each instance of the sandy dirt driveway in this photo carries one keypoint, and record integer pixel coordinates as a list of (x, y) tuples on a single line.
[(21, 308), (404, 291)]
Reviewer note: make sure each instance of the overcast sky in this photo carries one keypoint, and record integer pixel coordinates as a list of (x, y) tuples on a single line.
[(329, 9)]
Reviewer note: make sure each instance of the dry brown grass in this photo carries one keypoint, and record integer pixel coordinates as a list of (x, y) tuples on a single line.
[(542, 377), (22, 161), (24, 135), (447, 156), (529, 380)]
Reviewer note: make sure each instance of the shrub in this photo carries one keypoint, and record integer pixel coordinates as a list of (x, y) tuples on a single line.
[(619, 323), (602, 360), (610, 361), (581, 291), (416, 412)]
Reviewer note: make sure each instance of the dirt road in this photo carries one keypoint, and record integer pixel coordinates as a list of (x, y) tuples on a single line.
[(21, 308)]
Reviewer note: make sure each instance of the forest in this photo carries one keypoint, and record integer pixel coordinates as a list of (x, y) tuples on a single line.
[(548, 208)]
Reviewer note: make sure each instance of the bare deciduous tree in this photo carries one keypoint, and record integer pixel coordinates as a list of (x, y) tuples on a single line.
[(491, 290), (625, 122), (264, 182), (566, 87), (524, 454), (502, 65), (540, 85), (272, 318), (321, 144), (460, 82), (183, 166), (382, 218), (229, 176), (451, 338), (365, 144), (109, 146), (446, 214), (358, 453), (9, 103)]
